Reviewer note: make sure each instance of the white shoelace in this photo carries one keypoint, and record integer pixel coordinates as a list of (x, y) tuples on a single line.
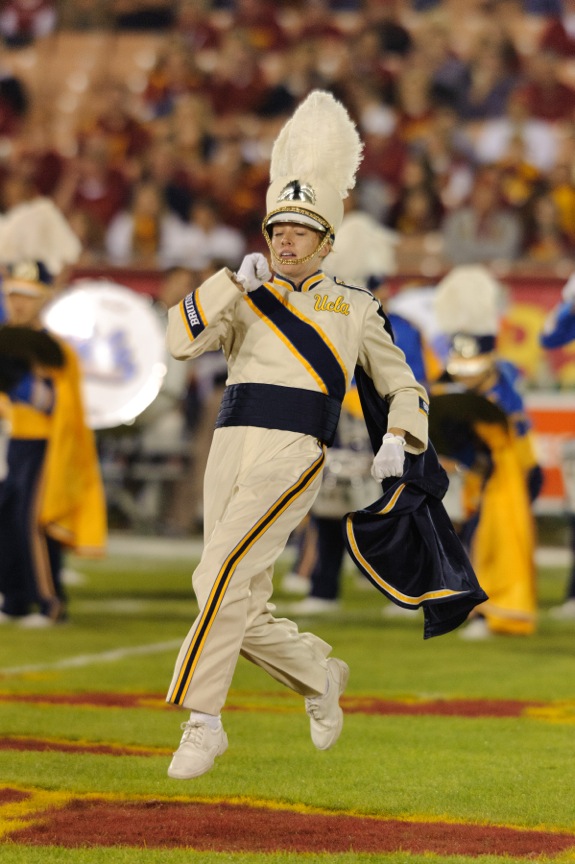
[(313, 709), (193, 732)]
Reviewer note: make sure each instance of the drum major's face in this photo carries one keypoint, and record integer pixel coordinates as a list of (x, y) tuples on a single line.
[(291, 242)]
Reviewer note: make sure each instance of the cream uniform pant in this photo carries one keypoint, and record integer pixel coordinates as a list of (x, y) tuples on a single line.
[(259, 484)]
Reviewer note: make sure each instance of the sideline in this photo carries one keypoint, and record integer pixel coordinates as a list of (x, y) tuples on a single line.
[(137, 546), (133, 545), (553, 556)]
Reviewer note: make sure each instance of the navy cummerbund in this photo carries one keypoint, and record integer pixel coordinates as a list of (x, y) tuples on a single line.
[(271, 406)]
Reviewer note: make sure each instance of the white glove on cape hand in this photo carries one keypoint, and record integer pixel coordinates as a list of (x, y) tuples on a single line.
[(389, 459), (253, 271)]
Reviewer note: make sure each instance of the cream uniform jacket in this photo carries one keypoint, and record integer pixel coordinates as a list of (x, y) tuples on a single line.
[(291, 357)]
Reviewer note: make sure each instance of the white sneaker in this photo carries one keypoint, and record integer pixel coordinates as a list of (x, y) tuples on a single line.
[(314, 606), (565, 612), (197, 751), (36, 621), (476, 631), (7, 619), (326, 717), (293, 583), (73, 577)]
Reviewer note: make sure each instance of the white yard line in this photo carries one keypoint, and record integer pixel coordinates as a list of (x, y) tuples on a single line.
[(82, 660)]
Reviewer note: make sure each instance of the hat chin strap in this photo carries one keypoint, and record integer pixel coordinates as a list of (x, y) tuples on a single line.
[(295, 261)]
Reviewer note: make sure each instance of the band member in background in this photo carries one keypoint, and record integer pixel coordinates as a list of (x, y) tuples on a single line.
[(559, 330), (492, 448), (51, 497)]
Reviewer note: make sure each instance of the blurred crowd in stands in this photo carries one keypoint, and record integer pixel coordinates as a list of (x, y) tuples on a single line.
[(466, 108)]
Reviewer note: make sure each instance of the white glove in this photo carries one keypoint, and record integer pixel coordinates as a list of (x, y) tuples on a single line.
[(568, 293), (388, 461), (253, 271)]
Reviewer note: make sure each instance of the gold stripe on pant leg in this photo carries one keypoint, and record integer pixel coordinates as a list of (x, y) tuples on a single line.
[(178, 692)]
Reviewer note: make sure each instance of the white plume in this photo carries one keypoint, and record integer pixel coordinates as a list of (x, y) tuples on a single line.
[(36, 230), (468, 300), (320, 142)]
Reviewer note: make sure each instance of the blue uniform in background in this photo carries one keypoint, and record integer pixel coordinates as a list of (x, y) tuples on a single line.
[(560, 327), (559, 330)]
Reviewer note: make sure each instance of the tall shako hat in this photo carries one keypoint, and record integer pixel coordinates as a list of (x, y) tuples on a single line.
[(364, 251), (37, 232), (313, 166), (467, 305)]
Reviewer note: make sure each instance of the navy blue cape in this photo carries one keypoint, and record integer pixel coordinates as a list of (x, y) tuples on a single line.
[(405, 542)]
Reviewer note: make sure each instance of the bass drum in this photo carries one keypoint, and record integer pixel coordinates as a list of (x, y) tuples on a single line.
[(121, 342)]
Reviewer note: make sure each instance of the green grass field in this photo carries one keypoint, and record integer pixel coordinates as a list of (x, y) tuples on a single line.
[(127, 617)]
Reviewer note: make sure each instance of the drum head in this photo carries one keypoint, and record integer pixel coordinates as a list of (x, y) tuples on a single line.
[(121, 343)]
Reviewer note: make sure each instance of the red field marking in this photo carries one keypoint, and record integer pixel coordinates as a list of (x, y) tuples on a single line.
[(438, 707), (223, 827), (43, 745), (350, 704), (13, 796), (92, 700)]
